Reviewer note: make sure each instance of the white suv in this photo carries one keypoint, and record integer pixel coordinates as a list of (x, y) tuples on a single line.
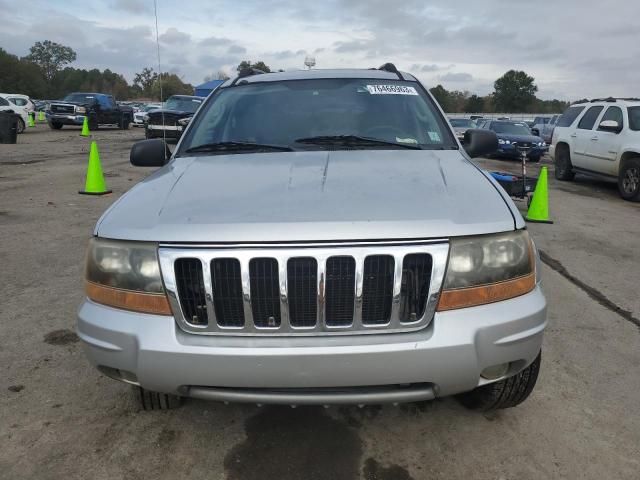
[(602, 138)]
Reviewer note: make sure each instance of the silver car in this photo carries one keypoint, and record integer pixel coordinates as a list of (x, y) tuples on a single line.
[(316, 237)]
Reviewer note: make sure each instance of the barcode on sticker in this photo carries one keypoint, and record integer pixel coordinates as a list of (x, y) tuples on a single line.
[(391, 90)]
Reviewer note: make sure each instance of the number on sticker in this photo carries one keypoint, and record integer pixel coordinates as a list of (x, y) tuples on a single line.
[(391, 90)]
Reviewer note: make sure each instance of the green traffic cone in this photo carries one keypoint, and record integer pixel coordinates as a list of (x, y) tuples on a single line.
[(41, 117), (539, 208), (30, 121), (95, 184), (85, 128)]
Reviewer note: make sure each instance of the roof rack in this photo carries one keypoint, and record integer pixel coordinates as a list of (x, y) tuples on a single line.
[(615, 99), (246, 72), (390, 67)]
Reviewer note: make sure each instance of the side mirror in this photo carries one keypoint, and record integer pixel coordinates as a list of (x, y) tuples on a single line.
[(610, 126), (535, 132), (150, 153), (478, 142)]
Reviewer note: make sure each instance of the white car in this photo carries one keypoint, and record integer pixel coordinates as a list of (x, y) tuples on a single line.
[(20, 100), (139, 117), (5, 104), (602, 138)]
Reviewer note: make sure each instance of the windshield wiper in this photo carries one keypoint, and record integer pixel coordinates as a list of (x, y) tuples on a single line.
[(354, 141), (236, 147)]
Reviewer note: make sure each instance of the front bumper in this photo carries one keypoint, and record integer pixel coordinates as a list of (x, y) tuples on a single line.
[(65, 119), (444, 358), (169, 131), (510, 151)]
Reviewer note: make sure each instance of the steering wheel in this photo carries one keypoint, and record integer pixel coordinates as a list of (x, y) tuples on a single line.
[(385, 132)]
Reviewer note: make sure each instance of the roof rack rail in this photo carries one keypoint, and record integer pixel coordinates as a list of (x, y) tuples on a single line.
[(614, 99), (390, 67), (246, 72)]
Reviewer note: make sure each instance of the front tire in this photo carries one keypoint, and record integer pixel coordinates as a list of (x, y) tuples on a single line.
[(149, 400), (564, 168), (124, 123), (506, 393), (629, 180), (55, 125), (20, 126)]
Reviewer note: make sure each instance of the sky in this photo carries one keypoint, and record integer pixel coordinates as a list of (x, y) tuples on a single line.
[(573, 48)]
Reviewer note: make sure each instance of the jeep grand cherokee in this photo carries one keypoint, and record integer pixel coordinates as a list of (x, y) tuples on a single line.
[(317, 237)]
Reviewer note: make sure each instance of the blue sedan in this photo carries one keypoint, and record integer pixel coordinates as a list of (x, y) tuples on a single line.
[(510, 134)]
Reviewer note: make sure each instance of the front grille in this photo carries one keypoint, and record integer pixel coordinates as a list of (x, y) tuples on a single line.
[(416, 279), (377, 289), (191, 290), (340, 290), (302, 287), (303, 290), (64, 109), (169, 120), (227, 292), (265, 299)]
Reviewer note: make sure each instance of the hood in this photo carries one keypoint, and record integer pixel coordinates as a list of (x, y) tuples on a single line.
[(519, 138), (169, 113), (310, 196)]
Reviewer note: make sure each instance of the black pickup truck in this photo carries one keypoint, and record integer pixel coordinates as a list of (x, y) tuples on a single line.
[(101, 109)]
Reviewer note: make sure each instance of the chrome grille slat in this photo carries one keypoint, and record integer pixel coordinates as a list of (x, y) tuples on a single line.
[(377, 289), (284, 290)]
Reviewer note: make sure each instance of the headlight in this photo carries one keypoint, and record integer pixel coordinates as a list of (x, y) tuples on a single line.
[(487, 269), (184, 121), (145, 117), (125, 275), (81, 110), (500, 141)]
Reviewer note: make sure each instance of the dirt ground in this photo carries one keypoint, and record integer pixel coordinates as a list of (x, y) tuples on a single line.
[(59, 418)]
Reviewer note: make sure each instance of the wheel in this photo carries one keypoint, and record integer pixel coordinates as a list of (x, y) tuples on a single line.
[(124, 123), (55, 125), (148, 134), (629, 180), (156, 401), (564, 168), (505, 393), (20, 127)]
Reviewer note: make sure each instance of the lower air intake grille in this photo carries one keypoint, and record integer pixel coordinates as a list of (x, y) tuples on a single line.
[(227, 292), (377, 289), (416, 279), (265, 296), (340, 290), (190, 284), (302, 285)]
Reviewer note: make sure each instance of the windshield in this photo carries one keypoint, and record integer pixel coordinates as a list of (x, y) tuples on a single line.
[(511, 128), (634, 118), (462, 123), (80, 98), (183, 104), (280, 113), (148, 108)]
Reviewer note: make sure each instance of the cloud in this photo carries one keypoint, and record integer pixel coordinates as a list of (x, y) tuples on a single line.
[(214, 42), (456, 77), (174, 36), (236, 50), (132, 6)]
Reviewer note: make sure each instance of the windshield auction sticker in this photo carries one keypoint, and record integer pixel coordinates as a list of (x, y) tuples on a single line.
[(391, 90)]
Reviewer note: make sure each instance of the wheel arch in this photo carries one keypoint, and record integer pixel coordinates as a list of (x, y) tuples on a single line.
[(626, 156)]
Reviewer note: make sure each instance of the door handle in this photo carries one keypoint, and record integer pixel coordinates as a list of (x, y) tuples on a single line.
[(594, 139), (573, 135)]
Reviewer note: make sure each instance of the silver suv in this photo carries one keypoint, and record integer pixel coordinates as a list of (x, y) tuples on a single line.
[(317, 237)]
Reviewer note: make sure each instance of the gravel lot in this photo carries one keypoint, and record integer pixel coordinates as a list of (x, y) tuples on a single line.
[(59, 418)]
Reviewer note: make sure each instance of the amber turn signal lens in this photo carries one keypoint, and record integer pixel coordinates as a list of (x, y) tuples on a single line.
[(154, 303), (483, 294)]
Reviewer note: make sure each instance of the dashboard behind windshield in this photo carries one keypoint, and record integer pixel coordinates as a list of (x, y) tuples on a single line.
[(279, 113)]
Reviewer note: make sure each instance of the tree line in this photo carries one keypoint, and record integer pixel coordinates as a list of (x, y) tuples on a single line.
[(514, 92), (44, 73)]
